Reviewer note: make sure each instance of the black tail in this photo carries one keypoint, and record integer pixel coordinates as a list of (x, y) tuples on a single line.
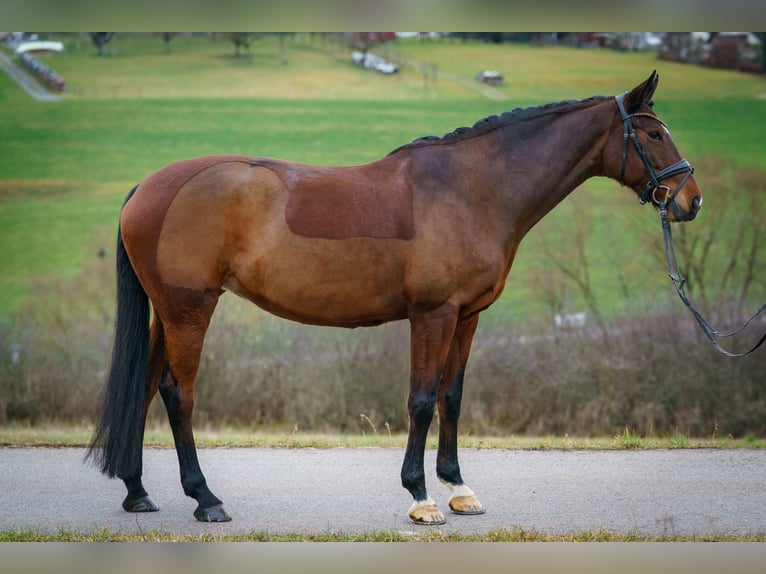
[(117, 440)]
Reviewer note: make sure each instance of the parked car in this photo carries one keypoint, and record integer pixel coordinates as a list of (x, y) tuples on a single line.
[(373, 62), (490, 77)]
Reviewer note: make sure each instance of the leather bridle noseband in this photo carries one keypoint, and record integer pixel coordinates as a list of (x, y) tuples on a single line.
[(655, 178)]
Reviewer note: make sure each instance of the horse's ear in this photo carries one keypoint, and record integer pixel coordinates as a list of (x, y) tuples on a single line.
[(642, 93)]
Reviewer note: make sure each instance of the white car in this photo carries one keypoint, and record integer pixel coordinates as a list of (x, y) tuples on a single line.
[(490, 77)]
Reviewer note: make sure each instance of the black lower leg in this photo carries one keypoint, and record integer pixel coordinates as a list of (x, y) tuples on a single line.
[(209, 508), (447, 467), (421, 410), (137, 499)]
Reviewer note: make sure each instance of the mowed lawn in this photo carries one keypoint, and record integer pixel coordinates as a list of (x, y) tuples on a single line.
[(65, 167)]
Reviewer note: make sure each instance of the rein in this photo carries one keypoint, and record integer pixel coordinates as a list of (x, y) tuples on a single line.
[(649, 194), (678, 282)]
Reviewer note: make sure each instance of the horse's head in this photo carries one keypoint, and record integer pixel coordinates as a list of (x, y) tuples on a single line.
[(641, 154)]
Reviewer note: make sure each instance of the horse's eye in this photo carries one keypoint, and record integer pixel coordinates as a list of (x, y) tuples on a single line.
[(655, 135)]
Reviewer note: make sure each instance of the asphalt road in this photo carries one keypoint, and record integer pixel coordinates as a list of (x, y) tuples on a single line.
[(657, 492)]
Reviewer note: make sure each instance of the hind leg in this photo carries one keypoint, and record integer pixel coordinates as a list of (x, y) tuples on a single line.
[(137, 499), (184, 339)]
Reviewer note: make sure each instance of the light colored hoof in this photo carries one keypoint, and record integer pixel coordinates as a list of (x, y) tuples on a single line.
[(426, 513), (468, 504)]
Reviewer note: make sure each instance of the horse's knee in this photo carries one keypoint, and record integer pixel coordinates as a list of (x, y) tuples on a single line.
[(421, 405)]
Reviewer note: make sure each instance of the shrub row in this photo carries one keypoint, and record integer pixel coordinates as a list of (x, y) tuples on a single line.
[(651, 373)]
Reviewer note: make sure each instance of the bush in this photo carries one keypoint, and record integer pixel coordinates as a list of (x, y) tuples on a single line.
[(55, 350), (655, 373)]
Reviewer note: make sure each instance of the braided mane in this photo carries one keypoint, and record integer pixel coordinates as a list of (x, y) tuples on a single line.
[(498, 121)]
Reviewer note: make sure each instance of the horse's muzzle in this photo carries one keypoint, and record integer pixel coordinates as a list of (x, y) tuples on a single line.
[(679, 214), (696, 205)]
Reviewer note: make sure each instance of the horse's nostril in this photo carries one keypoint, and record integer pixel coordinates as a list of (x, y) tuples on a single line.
[(696, 204)]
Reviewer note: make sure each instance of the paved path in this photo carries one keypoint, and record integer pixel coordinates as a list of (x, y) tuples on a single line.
[(657, 492), (29, 84)]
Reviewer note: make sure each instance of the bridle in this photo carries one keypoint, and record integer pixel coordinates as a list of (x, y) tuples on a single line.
[(653, 185), (650, 194)]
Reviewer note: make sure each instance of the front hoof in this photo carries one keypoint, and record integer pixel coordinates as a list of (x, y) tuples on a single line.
[(466, 505), (213, 514), (426, 513), (142, 504)]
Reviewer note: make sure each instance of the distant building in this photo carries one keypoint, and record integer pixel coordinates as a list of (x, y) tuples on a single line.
[(365, 40), (730, 50)]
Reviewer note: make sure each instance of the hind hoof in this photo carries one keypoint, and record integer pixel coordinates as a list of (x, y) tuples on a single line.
[(142, 504), (466, 505), (213, 514)]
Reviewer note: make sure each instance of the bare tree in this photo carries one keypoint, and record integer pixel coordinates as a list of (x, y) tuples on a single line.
[(241, 40), (167, 37), (569, 255), (721, 260), (762, 37), (283, 46), (101, 39)]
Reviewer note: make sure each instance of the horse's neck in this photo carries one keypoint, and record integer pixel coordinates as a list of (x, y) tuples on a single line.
[(547, 160)]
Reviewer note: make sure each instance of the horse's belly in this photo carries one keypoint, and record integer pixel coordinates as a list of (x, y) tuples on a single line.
[(350, 282)]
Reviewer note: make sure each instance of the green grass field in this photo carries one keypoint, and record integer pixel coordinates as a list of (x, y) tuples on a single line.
[(65, 167)]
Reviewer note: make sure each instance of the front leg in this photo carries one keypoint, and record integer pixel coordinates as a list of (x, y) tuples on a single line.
[(462, 498), (420, 405), (430, 338)]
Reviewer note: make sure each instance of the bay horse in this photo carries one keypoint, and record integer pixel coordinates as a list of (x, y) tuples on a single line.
[(427, 233)]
